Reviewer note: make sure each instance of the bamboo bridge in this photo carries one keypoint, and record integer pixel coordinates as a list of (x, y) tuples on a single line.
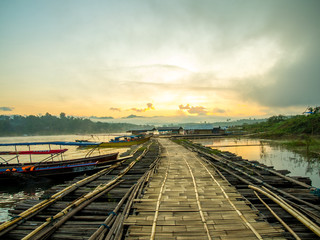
[(166, 190)]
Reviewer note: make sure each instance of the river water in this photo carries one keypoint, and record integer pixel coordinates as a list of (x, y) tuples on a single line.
[(270, 154), (10, 195)]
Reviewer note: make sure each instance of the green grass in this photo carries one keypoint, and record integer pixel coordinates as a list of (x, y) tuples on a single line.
[(304, 145), (281, 126)]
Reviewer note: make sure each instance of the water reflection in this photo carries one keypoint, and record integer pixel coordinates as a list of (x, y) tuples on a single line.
[(270, 154)]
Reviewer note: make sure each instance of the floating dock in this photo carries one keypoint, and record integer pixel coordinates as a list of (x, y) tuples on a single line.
[(188, 199), (166, 190)]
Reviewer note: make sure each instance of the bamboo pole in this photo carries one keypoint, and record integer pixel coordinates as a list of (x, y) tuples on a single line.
[(308, 212), (288, 205), (299, 216), (219, 159), (271, 171), (232, 204), (278, 218), (138, 189), (69, 208), (111, 216), (155, 218), (9, 225), (87, 196)]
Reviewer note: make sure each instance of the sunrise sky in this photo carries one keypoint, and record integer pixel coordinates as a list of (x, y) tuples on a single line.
[(201, 60)]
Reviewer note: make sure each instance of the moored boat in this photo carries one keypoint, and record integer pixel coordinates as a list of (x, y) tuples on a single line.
[(125, 141), (50, 168)]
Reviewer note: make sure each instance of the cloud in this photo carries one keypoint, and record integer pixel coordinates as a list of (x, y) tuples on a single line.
[(198, 110), (115, 109), (149, 107), (218, 110), (294, 80), (6, 109), (181, 107), (138, 110)]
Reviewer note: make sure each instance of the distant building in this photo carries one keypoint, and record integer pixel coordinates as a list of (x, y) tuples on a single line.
[(142, 131), (170, 130), (204, 129)]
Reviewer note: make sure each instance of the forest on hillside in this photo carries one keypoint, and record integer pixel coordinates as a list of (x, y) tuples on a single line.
[(17, 125), (283, 126)]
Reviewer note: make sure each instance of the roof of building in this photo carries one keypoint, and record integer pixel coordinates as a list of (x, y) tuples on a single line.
[(200, 127), (142, 130), (169, 128)]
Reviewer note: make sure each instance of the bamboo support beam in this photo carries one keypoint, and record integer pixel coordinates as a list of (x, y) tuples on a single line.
[(278, 218), (299, 216)]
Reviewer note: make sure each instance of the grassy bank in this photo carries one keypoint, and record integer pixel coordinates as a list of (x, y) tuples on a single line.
[(300, 133), (278, 126)]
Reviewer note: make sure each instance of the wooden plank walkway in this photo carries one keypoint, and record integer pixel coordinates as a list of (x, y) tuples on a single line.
[(187, 199)]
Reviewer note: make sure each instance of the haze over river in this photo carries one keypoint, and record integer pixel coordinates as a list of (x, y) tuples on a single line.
[(270, 154)]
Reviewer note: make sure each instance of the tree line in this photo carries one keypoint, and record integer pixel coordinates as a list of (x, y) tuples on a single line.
[(17, 125)]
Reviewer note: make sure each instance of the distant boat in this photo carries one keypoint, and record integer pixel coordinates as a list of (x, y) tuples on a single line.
[(48, 167), (125, 141)]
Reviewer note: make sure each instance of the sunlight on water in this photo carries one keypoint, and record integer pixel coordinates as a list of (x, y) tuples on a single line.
[(264, 151)]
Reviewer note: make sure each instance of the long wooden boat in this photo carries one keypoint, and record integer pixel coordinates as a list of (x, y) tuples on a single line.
[(52, 169), (124, 141), (54, 151)]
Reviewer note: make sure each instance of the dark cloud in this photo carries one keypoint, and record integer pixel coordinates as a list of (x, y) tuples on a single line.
[(115, 109), (295, 80), (150, 106), (138, 109), (6, 109), (225, 26), (181, 107), (218, 110)]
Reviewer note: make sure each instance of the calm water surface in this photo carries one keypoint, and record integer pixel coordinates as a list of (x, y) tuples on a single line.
[(270, 154), (10, 195)]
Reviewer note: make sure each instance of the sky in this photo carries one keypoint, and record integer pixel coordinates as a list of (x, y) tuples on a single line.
[(203, 60)]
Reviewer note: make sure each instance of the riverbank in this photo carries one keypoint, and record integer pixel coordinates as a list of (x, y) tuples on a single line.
[(308, 145), (268, 152)]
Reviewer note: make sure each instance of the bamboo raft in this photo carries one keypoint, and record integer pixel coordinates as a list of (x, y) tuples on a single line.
[(76, 209), (293, 200), (169, 191), (187, 199)]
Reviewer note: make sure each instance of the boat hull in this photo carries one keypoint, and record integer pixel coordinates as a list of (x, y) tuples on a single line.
[(57, 168), (123, 144)]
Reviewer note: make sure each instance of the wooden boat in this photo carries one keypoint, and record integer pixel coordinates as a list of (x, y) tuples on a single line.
[(125, 141), (54, 151), (52, 169)]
